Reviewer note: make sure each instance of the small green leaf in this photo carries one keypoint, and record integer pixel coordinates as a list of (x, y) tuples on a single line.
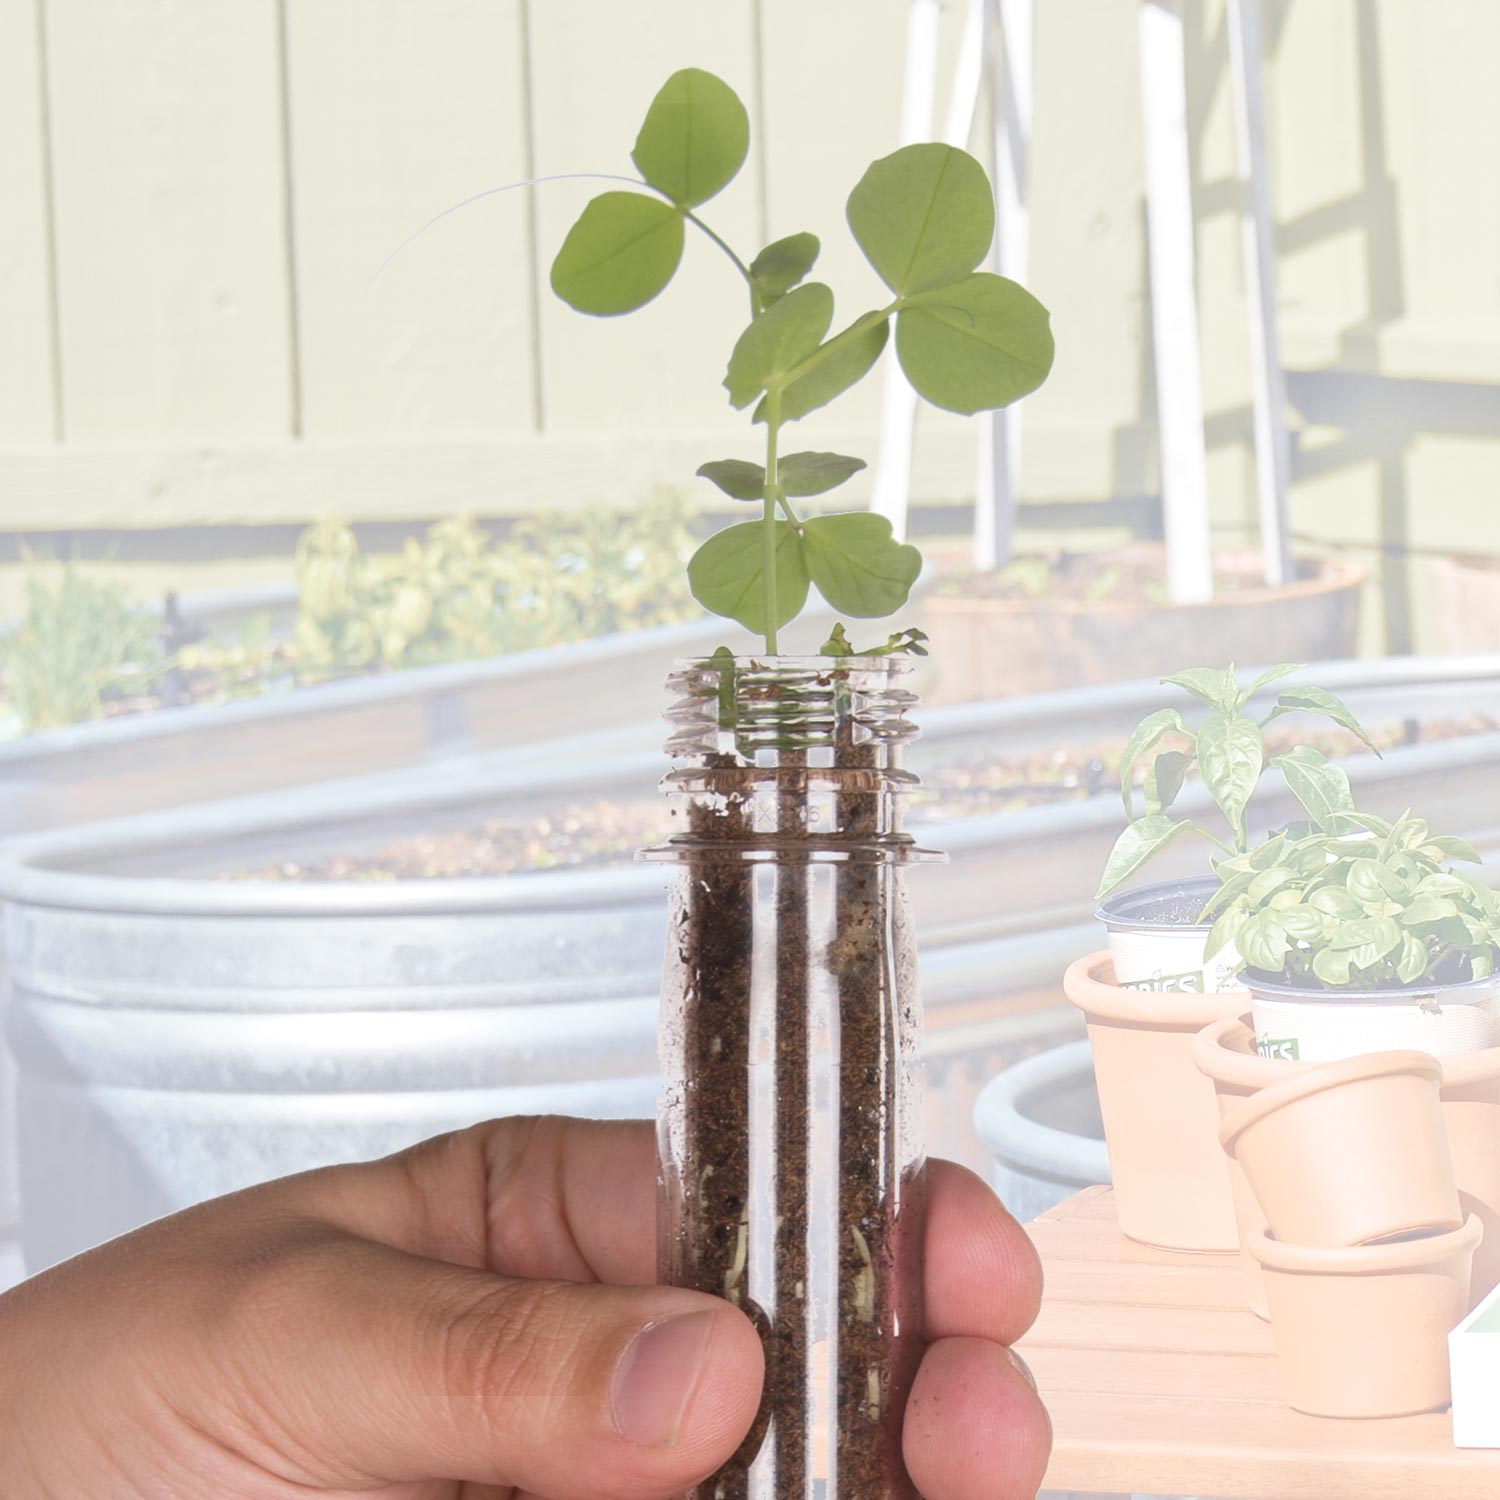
[(1164, 779), (1230, 755), (695, 137), (1224, 931), (1140, 840), (1302, 924), (976, 345), (815, 473), (1425, 909), (781, 337), (737, 477), (1331, 965), (1319, 701), (1231, 890), (1411, 962), (923, 215), (1144, 737), (1319, 786), (782, 264), (623, 250), (1446, 847), (1271, 674), (846, 366), (1384, 938), (1369, 880), (1211, 685), (1262, 942), (858, 565), (725, 574), (1335, 903)]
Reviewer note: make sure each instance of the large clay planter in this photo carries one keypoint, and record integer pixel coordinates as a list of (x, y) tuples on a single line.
[(1349, 1152), (995, 648), (1471, 1109), (1465, 603), (1362, 1331), (1161, 1119)]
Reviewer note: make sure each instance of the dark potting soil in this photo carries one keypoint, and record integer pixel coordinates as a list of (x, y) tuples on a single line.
[(877, 1276), (603, 833)]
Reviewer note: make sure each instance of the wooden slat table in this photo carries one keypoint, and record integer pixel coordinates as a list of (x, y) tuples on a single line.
[(1160, 1382)]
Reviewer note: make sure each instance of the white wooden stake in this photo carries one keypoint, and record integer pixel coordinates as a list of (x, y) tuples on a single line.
[(1174, 314), (891, 489), (1011, 64), (1272, 446)]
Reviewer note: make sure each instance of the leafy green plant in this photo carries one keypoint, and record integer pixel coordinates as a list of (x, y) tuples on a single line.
[(1228, 751), (455, 595), (968, 340), (79, 642), (1359, 904)]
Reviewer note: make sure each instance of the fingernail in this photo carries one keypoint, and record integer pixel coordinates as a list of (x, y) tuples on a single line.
[(1022, 1368), (656, 1378)]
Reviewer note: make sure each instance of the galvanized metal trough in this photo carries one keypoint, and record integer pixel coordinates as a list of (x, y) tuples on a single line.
[(180, 1034)]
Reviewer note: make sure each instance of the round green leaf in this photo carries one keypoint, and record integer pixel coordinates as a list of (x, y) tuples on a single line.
[(695, 137), (782, 264), (781, 337), (1230, 755), (924, 216), (622, 251), (1262, 942), (725, 574), (976, 345), (858, 565), (737, 477), (846, 366), (815, 473)]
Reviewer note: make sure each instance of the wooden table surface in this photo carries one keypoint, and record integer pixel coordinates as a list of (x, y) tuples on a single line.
[(1160, 1382)]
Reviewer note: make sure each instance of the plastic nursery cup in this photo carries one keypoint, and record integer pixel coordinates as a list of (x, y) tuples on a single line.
[(1349, 1152), (1161, 1119), (1157, 944), (1362, 1331)]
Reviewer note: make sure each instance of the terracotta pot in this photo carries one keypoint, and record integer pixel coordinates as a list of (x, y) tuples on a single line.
[(995, 648), (1362, 1331), (1161, 1119), (1349, 1152), (1471, 1109), (1465, 603)]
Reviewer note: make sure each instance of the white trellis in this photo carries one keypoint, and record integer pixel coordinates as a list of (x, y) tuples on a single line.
[(995, 52)]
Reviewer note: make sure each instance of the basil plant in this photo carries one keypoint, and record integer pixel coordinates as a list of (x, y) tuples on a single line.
[(1228, 750), (968, 340), (1360, 903)]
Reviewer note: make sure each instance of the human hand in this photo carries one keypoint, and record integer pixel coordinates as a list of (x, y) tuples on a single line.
[(472, 1319)]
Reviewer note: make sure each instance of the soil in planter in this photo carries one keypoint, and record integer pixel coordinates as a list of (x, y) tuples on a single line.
[(583, 834)]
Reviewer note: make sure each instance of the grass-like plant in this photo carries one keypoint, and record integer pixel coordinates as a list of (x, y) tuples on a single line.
[(968, 340)]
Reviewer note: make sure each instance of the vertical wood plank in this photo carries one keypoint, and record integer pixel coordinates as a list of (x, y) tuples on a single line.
[(397, 112), (658, 369), (27, 372), (170, 231)]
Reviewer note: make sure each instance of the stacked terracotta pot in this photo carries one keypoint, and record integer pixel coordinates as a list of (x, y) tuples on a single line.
[(1368, 1210), (1363, 1194)]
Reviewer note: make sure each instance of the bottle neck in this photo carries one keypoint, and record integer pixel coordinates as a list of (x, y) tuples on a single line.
[(789, 757)]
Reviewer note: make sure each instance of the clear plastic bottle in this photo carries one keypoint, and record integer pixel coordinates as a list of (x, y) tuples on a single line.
[(790, 1130)]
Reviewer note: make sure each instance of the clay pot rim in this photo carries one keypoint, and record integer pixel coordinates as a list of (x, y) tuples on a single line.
[(1334, 575), (1364, 1260), (1229, 1065), (1318, 1079), (1181, 1010)]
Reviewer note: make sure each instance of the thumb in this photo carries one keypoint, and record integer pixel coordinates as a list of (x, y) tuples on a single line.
[(370, 1366)]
